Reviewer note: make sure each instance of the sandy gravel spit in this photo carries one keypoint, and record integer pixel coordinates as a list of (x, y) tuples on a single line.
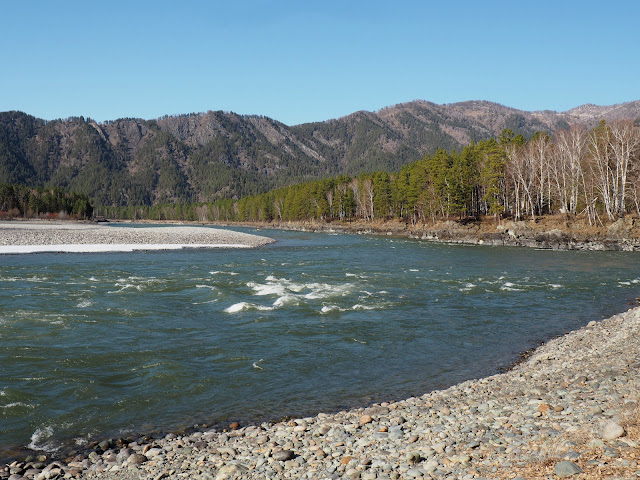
[(35, 237)]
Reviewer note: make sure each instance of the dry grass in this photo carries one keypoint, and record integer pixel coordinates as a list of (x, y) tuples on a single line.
[(625, 466)]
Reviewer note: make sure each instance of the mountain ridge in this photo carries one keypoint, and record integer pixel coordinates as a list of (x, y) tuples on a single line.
[(213, 154)]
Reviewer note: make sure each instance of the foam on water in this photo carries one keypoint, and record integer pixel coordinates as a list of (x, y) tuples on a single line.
[(205, 302), (467, 287), (267, 289), (324, 290), (331, 308), (288, 292), (288, 284), (17, 404), (510, 287), (39, 440), (356, 275), (359, 306), (286, 300), (138, 283), (291, 292), (244, 306), (34, 279), (84, 304)]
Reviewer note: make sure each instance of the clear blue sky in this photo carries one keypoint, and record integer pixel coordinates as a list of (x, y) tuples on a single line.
[(300, 61)]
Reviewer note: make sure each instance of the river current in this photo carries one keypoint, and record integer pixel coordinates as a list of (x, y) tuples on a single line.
[(103, 345)]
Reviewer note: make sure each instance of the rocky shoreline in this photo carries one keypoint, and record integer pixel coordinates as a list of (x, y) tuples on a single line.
[(569, 409), (14, 234), (550, 232)]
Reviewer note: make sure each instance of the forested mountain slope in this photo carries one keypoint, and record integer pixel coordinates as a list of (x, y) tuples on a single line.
[(204, 156)]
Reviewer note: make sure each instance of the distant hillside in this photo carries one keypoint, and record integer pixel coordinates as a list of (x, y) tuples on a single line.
[(201, 157)]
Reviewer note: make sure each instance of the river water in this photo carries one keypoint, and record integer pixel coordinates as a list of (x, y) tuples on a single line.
[(96, 346)]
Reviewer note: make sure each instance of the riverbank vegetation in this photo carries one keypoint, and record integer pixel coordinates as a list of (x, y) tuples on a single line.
[(19, 201), (591, 173)]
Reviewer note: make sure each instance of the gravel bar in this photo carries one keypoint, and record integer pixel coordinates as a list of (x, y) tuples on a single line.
[(17, 234)]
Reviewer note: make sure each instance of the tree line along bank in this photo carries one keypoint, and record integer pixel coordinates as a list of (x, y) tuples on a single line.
[(594, 173), (19, 201)]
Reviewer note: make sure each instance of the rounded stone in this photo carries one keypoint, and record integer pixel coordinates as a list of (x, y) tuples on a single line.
[(283, 455), (544, 407), (413, 458), (595, 410), (611, 431), (364, 419), (566, 468), (136, 459), (230, 469)]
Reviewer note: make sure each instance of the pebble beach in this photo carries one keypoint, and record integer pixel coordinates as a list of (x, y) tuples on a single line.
[(568, 409), (34, 237)]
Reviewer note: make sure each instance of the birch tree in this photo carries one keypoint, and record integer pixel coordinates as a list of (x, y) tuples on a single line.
[(567, 167), (624, 142)]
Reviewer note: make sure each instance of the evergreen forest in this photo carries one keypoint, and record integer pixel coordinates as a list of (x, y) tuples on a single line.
[(19, 201)]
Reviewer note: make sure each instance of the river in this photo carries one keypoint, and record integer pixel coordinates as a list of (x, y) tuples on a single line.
[(103, 345)]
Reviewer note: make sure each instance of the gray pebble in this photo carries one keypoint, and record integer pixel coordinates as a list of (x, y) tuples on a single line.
[(612, 430), (283, 455), (566, 468)]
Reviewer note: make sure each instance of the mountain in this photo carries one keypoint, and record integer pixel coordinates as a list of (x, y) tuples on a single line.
[(204, 156)]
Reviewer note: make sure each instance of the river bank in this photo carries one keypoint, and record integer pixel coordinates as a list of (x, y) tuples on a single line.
[(553, 232), (571, 406), (549, 232)]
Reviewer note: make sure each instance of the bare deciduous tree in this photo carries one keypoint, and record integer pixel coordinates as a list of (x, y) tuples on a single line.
[(567, 168)]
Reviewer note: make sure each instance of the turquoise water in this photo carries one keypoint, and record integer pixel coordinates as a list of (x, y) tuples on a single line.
[(97, 346)]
